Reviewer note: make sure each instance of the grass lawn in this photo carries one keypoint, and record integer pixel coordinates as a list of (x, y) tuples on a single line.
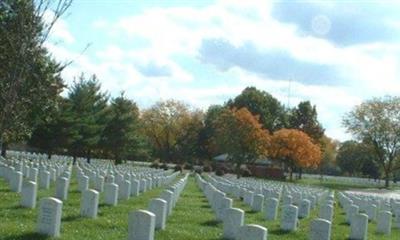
[(111, 223), (191, 219), (335, 185), (340, 230)]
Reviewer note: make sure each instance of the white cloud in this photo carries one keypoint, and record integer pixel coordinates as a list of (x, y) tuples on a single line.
[(372, 69)]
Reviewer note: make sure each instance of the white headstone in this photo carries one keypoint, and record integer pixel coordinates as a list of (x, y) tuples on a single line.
[(143, 185), (397, 219), (223, 204), (135, 187), (124, 190), (83, 183), (62, 188), (99, 186), (49, 219), (253, 232), (44, 179), (158, 206), (111, 194), (351, 212), (28, 195), (232, 221), (109, 179), (359, 227), (89, 203), (289, 218), (33, 174), (16, 181), (258, 203), (141, 225), (326, 212), (384, 222), (271, 210), (168, 196), (304, 210), (320, 229)]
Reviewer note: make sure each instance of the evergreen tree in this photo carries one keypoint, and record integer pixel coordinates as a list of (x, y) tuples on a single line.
[(87, 107), (121, 135)]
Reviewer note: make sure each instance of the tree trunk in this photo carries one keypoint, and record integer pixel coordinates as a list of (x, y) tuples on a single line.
[(386, 180), (88, 158), (290, 174), (237, 170), (300, 173), (74, 160), (4, 147)]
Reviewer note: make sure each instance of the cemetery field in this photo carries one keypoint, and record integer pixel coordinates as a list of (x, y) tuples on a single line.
[(111, 223), (335, 185), (340, 229), (192, 218)]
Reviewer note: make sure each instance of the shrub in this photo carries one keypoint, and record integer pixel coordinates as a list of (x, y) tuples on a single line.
[(225, 169), (220, 172), (155, 165), (178, 168), (164, 166), (246, 172), (207, 168), (188, 166), (198, 170)]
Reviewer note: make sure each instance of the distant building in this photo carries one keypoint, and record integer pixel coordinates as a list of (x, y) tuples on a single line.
[(264, 168)]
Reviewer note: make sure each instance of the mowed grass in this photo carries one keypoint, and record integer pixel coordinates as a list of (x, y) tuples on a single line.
[(192, 218), (339, 185)]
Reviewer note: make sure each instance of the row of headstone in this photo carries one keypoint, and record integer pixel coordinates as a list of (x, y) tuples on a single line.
[(360, 209), (143, 223), (49, 220), (291, 211), (232, 218)]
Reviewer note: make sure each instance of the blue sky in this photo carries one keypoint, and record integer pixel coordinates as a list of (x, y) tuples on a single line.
[(334, 53)]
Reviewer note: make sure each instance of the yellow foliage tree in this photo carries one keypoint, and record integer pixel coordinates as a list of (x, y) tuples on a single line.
[(295, 148)]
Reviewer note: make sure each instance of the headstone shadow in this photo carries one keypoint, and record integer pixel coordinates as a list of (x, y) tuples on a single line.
[(25, 236), (210, 223)]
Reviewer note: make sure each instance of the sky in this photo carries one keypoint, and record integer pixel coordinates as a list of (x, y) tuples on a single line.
[(335, 54)]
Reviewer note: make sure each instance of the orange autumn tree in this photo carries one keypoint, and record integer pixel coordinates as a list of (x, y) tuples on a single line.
[(295, 148), (240, 135)]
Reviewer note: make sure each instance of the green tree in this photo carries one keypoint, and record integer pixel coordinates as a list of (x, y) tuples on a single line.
[(271, 112), (87, 106), (304, 117), (30, 79), (351, 157), (121, 135), (329, 148), (53, 134), (207, 144), (377, 123)]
